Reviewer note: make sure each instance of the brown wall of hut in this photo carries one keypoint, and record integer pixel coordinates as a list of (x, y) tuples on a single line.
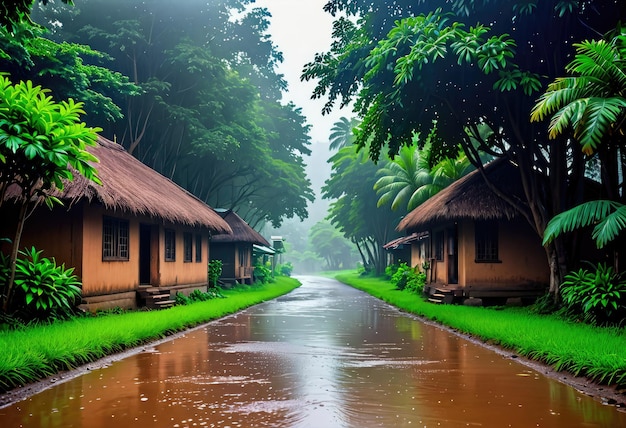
[(226, 253), (106, 277), (179, 272), (522, 260), (57, 232)]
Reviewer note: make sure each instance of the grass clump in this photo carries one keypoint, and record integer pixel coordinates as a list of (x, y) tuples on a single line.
[(32, 353), (580, 349)]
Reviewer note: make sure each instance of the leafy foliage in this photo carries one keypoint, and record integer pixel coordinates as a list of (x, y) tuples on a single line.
[(209, 113), (410, 179), (45, 290), (198, 296), (329, 243), (592, 101), (469, 65), (42, 143), (69, 70), (608, 219), (14, 12), (262, 273), (354, 211), (598, 296), (406, 278), (284, 269), (214, 272)]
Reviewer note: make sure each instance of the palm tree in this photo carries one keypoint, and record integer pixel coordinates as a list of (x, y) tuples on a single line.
[(592, 103), (341, 134), (408, 180)]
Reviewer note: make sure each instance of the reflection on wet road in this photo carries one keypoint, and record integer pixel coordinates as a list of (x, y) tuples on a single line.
[(325, 355)]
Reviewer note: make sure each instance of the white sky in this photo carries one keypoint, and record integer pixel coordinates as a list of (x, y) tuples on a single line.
[(300, 28)]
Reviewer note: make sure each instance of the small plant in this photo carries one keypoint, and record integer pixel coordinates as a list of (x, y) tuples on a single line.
[(598, 296), (416, 282), (43, 290), (405, 277), (198, 296), (390, 270), (214, 272), (285, 269), (262, 274)]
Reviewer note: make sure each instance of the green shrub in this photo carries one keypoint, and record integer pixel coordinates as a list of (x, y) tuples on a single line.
[(198, 296), (406, 278), (262, 274), (214, 272), (43, 290), (597, 296), (284, 269), (390, 270), (416, 282)]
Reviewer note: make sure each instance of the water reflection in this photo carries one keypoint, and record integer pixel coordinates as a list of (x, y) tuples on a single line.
[(325, 355)]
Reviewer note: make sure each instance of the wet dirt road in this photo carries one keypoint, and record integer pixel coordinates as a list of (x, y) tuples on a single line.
[(325, 355)]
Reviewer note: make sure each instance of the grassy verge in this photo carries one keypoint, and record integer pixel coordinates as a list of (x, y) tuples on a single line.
[(33, 353), (597, 353)]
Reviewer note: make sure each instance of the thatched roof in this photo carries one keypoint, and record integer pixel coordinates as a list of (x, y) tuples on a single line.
[(242, 232), (469, 198), (131, 186)]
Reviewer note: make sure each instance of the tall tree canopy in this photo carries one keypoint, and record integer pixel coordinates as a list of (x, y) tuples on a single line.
[(354, 211), (466, 64), (205, 104)]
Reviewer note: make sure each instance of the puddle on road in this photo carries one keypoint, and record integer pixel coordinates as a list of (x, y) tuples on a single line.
[(325, 355)]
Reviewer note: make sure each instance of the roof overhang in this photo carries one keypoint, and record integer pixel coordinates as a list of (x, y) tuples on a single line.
[(400, 242)]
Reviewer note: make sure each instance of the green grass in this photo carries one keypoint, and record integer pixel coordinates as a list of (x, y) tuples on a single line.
[(33, 353), (595, 352)]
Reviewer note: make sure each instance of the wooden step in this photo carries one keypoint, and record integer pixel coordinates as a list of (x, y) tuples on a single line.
[(163, 304)]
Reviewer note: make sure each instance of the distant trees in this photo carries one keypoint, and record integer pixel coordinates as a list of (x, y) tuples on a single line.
[(354, 208), (328, 243)]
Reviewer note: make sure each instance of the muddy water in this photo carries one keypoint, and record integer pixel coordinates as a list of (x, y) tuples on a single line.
[(324, 355)]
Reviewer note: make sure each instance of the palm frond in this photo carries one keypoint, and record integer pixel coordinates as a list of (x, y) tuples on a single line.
[(599, 117), (583, 215), (562, 91), (609, 228), (570, 115)]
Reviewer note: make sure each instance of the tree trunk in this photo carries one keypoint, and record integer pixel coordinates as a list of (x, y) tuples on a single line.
[(13, 260)]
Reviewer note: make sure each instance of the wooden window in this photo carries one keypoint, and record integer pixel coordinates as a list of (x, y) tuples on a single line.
[(114, 239), (439, 246), (198, 248), (486, 239), (170, 245), (187, 246)]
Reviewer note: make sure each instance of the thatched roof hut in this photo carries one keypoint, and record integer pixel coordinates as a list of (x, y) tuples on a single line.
[(470, 198), (131, 186), (242, 232)]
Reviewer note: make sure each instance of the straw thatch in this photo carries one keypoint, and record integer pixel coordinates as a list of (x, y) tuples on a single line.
[(130, 186), (470, 198), (242, 232)]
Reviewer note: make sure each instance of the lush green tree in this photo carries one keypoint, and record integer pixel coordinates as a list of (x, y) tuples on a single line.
[(209, 115), (466, 64), (40, 140), (69, 70), (354, 211)]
